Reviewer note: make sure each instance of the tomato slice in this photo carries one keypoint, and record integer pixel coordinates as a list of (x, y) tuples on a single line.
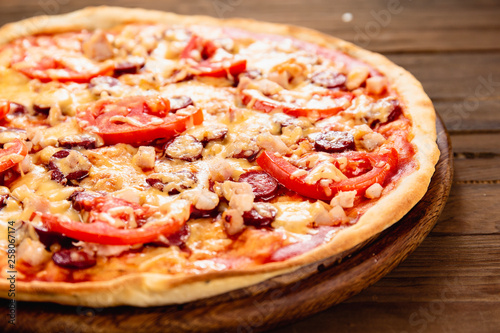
[(333, 102), (47, 59), (13, 154), (208, 66), (4, 108), (138, 119), (282, 170), (103, 233), (98, 230)]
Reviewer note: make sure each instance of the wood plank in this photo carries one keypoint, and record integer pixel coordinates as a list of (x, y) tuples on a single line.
[(450, 25), (485, 170), (477, 143), (440, 315), (455, 76), (462, 115), (470, 210), (468, 265)]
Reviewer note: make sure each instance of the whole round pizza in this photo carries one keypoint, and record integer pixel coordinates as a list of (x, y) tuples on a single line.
[(149, 158)]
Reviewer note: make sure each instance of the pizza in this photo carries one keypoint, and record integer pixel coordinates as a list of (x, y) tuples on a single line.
[(149, 158)]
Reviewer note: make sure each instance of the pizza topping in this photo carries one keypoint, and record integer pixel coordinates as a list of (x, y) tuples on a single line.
[(261, 215), (233, 221), (145, 157), (10, 134), (173, 182), (97, 46), (285, 173), (137, 119), (329, 79), (211, 60), (74, 259), (374, 191), (264, 187), (69, 164), (130, 66), (180, 102), (357, 77), (333, 141), (32, 252), (321, 105), (83, 141), (376, 85), (272, 143), (83, 200), (7, 107), (184, 147), (107, 84), (12, 154), (45, 59), (344, 199), (208, 133), (372, 140)]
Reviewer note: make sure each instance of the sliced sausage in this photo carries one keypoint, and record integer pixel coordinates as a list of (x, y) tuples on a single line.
[(264, 186), (329, 79), (184, 147), (69, 165), (333, 141), (173, 182), (261, 215), (74, 259), (78, 141), (48, 238), (179, 102), (128, 67)]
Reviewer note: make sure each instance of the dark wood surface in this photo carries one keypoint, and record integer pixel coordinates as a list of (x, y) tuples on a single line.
[(451, 283)]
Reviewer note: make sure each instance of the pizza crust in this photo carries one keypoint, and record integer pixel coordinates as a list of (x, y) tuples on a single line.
[(146, 289)]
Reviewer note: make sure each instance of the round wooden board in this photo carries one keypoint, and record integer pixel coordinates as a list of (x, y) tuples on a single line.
[(277, 301)]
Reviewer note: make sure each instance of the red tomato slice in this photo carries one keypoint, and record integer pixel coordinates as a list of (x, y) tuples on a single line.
[(98, 230), (222, 69), (282, 170), (335, 102), (103, 233), (4, 108), (137, 119), (13, 154), (207, 66), (47, 59)]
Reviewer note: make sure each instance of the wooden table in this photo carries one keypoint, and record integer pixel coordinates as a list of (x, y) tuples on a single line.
[(451, 283)]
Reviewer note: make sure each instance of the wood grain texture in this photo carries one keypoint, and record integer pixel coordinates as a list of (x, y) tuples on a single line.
[(282, 299), (449, 25)]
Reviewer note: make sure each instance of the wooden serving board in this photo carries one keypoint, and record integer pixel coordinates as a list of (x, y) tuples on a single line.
[(271, 303)]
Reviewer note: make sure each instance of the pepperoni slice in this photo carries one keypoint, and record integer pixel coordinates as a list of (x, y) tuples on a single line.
[(263, 185)]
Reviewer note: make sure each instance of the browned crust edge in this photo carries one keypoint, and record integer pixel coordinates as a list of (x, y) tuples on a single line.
[(146, 289)]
